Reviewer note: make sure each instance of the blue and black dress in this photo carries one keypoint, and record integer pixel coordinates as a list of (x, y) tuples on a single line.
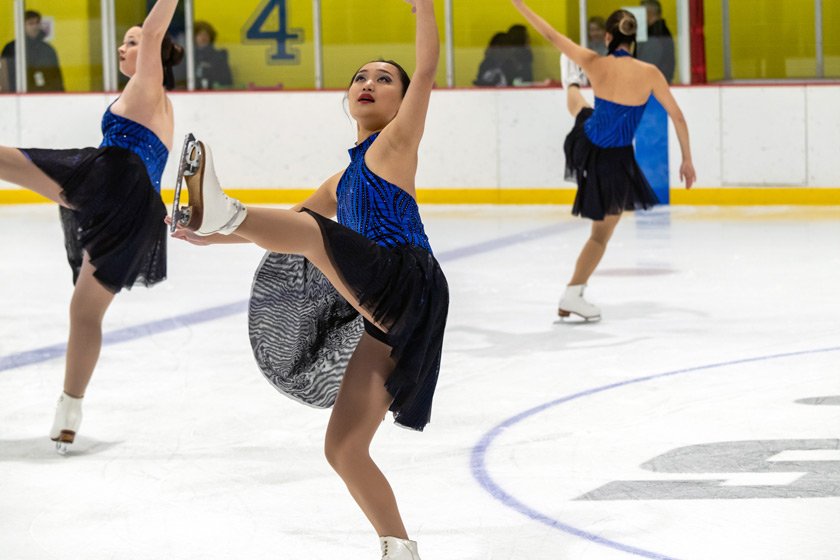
[(114, 192), (303, 333), (600, 158)]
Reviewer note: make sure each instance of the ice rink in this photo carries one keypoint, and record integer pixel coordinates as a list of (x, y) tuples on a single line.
[(700, 419)]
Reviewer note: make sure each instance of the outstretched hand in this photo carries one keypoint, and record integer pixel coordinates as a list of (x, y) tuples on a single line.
[(186, 235), (687, 174), (413, 6)]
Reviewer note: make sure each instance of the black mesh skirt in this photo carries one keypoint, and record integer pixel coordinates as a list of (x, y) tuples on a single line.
[(609, 179), (303, 333), (117, 216)]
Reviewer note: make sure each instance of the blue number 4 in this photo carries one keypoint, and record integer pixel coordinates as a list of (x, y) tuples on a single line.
[(282, 35)]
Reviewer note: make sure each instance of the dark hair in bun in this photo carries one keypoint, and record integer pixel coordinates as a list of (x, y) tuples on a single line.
[(171, 54), (622, 26)]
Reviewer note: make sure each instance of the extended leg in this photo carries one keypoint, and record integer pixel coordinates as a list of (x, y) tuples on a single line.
[(359, 410), (17, 169), (575, 101)]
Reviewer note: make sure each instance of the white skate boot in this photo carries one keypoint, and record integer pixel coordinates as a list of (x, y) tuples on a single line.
[(572, 302), (571, 74), (398, 549), (210, 210), (68, 417)]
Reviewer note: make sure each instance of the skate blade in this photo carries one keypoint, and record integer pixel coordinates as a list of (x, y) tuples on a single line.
[(192, 215), (63, 442), (189, 165), (566, 317)]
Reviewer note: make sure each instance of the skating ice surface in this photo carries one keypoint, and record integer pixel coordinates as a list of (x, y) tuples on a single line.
[(699, 420)]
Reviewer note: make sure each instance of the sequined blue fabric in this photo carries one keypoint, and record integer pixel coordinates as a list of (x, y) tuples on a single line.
[(379, 210), (125, 133), (613, 125)]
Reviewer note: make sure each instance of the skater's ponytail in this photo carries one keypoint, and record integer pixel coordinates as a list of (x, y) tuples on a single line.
[(171, 54), (622, 26)]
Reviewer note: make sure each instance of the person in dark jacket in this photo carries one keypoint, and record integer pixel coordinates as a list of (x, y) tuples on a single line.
[(659, 48), (212, 70), (43, 72)]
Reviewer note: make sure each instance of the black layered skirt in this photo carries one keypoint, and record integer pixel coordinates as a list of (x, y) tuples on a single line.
[(609, 179), (303, 332), (116, 217)]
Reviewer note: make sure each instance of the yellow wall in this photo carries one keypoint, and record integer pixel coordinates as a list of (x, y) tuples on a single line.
[(831, 38), (251, 62), (355, 32), (772, 39), (713, 34)]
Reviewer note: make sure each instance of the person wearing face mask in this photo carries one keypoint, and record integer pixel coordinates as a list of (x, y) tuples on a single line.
[(109, 198), (376, 256), (43, 72)]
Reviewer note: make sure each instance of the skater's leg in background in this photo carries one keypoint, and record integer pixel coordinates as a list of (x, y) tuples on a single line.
[(359, 410), (575, 101), (594, 249), (87, 308), (17, 169)]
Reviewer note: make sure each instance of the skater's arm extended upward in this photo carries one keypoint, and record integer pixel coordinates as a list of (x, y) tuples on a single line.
[(406, 130), (580, 55), (149, 66)]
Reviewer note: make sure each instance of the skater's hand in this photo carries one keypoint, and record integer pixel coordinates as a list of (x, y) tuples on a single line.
[(413, 6), (187, 235), (687, 174)]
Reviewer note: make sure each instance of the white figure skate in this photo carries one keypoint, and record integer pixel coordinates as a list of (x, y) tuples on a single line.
[(398, 549), (572, 302), (210, 210), (68, 417), (571, 74)]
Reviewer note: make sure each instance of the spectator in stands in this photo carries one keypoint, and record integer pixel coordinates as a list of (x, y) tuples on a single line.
[(43, 72), (659, 47), (596, 29), (212, 70), (508, 60)]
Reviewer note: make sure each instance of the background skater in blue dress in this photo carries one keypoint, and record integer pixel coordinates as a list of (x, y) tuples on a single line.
[(377, 257), (111, 210), (599, 149)]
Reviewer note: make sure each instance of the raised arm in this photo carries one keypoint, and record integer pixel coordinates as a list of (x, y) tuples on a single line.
[(149, 66), (580, 55), (662, 93), (407, 127)]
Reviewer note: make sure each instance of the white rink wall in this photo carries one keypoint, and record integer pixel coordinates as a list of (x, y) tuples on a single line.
[(475, 139)]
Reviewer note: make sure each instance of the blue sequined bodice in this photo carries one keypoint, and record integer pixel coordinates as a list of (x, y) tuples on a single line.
[(125, 133), (379, 210), (612, 124)]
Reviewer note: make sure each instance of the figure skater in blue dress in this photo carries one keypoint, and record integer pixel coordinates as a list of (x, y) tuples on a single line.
[(111, 210), (377, 256), (599, 149)]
